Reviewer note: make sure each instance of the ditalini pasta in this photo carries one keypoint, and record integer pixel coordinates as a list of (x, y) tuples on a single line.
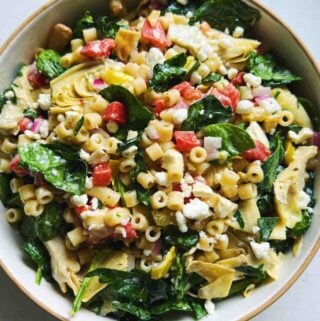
[(154, 160)]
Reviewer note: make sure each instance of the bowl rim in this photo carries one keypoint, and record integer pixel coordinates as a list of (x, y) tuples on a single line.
[(313, 250)]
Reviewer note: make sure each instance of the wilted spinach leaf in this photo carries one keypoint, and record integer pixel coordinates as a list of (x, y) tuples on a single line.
[(267, 224), (141, 166), (207, 111), (138, 115), (4, 188), (169, 74), (235, 140), (14, 201), (48, 63), (312, 112), (301, 227), (107, 26), (282, 245), (127, 144), (27, 228), (211, 79), (30, 113), (85, 22), (239, 218), (180, 9), (222, 14), (265, 204), (182, 241), (271, 73)]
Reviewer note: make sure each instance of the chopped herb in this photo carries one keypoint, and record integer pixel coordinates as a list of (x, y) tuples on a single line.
[(78, 126), (239, 218)]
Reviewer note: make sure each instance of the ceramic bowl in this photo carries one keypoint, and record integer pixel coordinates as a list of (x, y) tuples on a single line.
[(270, 30)]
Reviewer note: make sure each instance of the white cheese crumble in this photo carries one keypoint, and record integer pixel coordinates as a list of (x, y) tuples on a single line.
[(303, 200), (255, 229), (147, 252), (238, 32), (154, 56), (196, 210), (84, 155), (256, 133), (182, 223), (44, 101), (94, 203), (183, 2), (179, 116), (186, 189), (252, 80), (44, 129), (188, 178), (89, 183), (162, 179), (132, 134), (270, 105), (209, 306), (260, 250), (201, 190), (304, 134), (245, 107), (79, 200)]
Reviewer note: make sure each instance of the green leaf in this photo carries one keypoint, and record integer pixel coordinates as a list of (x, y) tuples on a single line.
[(252, 272), (198, 308), (49, 222), (270, 167), (169, 74), (239, 218), (48, 63), (267, 224), (222, 14), (144, 195), (27, 228), (14, 201), (78, 126), (180, 9), (67, 152), (171, 306), (141, 166), (127, 144), (39, 255), (283, 245), (301, 227), (266, 205), (206, 111), (271, 73), (108, 27), (211, 79), (235, 140), (312, 111), (139, 312), (182, 241), (138, 115), (119, 187), (85, 22), (4, 188), (30, 113)]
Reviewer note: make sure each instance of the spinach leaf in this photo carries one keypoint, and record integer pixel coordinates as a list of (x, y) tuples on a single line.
[(14, 201), (312, 112), (171, 306), (144, 195), (266, 205), (107, 27), (267, 224), (251, 271), (235, 140), (39, 255), (271, 73), (30, 113), (67, 174), (138, 115), (137, 311), (207, 111), (48, 63), (86, 21), (27, 228), (182, 241), (67, 152), (127, 144), (180, 9), (270, 167), (239, 218), (198, 308), (283, 245), (301, 227), (119, 187), (141, 166), (211, 79), (78, 126), (223, 14), (4, 188), (169, 74), (309, 188), (49, 222)]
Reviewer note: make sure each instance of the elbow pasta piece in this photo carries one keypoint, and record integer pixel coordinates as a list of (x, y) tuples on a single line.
[(76, 236), (254, 173), (15, 184), (146, 265), (247, 191), (85, 256), (97, 104), (171, 97), (165, 131), (159, 200), (117, 216), (27, 192), (112, 145), (76, 44), (229, 183), (92, 120), (145, 140), (95, 141), (94, 220), (5, 166), (215, 227), (286, 118), (131, 199), (201, 169), (174, 164), (146, 180), (67, 60), (167, 115), (9, 145), (152, 234), (139, 222), (44, 196), (198, 155), (206, 243), (33, 208), (112, 127), (131, 69), (140, 86), (127, 165), (175, 201), (23, 140), (154, 151), (105, 194), (89, 35), (14, 215)]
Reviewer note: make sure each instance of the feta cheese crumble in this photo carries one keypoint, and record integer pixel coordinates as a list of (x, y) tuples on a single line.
[(260, 250), (196, 210)]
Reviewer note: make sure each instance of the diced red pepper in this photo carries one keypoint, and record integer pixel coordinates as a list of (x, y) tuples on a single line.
[(158, 105), (15, 167), (260, 152), (117, 112), (154, 35), (102, 175), (79, 210), (186, 140), (238, 80), (228, 96), (130, 231), (98, 48), (187, 91), (36, 79), (24, 124)]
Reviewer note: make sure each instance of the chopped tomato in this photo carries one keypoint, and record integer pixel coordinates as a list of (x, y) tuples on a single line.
[(15, 167), (188, 92), (238, 80), (36, 79), (117, 112), (79, 210), (130, 231), (260, 152), (186, 140), (98, 48), (24, 124), (154, 35), (159, 105), (228, 96), (102, 175)]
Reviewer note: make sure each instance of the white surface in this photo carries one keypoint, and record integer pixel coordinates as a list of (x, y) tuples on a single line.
[(301, 301)]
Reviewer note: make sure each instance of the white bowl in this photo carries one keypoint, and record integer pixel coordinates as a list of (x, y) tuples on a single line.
[(19, 49)]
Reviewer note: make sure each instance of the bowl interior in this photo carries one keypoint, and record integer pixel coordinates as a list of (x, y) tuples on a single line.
[(34, 35)]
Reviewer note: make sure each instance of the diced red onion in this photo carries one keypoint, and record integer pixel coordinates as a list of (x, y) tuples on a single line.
[(152, 133), (316, 139), (36, 125), (99, 84), (157, 247), (261, 92)]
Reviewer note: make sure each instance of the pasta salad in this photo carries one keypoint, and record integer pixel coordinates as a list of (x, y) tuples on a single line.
[(154, 159)]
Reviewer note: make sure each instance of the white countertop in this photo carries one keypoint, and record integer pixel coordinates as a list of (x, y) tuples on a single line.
[(301, 302)]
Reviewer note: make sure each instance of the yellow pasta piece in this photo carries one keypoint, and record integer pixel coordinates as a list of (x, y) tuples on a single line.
[(163, 268)]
